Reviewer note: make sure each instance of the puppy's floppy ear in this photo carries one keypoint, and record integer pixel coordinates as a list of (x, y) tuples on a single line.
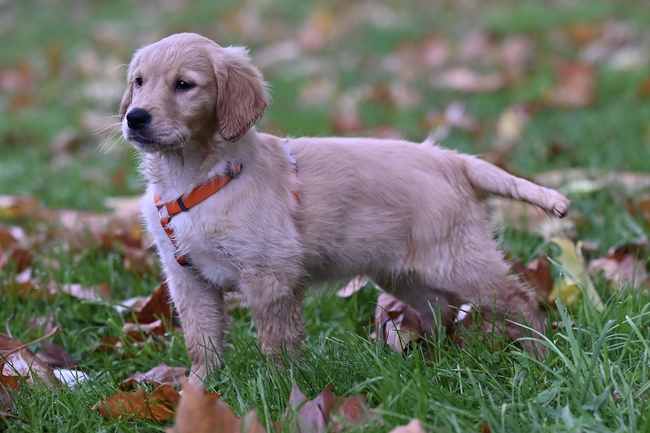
[(241, 93)]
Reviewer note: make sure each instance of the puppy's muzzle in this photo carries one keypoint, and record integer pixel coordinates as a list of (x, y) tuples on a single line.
[(138, 118)]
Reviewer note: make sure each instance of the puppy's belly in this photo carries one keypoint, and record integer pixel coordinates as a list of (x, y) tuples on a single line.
[(214, 267)]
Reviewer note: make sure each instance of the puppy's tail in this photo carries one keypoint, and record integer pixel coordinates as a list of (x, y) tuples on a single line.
[(490, 179)]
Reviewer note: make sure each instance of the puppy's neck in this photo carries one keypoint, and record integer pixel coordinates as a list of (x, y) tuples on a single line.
[(178, 173)]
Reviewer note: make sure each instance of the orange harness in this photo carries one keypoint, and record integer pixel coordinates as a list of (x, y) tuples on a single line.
[(199, 194)]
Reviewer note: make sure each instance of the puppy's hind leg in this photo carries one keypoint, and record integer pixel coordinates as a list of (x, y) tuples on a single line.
[(513, 305)]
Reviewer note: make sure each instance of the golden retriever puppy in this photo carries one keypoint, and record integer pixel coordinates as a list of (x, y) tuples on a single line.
[(232, 208)]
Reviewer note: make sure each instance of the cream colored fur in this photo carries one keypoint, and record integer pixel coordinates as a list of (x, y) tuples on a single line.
[(408, 215)]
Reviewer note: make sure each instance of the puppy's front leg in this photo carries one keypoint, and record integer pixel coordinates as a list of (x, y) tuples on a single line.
[(203, 317), (276, 307)]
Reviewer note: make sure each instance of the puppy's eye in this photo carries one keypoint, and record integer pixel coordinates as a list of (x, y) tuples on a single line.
[(183, 85), (138, 81)]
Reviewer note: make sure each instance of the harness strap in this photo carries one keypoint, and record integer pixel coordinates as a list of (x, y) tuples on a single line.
[(184, 204)]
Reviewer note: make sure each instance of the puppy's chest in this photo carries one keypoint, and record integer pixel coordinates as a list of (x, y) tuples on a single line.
[(201, 236)]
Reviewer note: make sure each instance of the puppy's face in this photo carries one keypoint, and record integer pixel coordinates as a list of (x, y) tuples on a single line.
[(186, 90)]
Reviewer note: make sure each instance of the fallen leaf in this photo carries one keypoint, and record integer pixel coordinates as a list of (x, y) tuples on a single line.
[(157, 306), (161, 373), (510, 126), (576, 84), (485, 427), (415, 426), (435, 51), (538, 275), (23, 363), (396, 323), (321, 27), (159, 404), (571, 287), (56, 356), (19, 207), (199, 413), (623, 266), (140, 331), (463, 79), (98, 293), (136, 336), (346, 123), (513, 56), (355, 285), (583, 33), (324, 411)]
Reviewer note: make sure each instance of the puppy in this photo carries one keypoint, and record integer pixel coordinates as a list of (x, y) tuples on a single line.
[(231, 208)]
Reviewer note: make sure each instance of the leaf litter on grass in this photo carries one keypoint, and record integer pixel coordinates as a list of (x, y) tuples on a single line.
[(480, 62)]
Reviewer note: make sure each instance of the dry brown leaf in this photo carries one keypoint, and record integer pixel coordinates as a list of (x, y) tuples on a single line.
[(396, 323), (463, 79), (485, 427), (136, 337), (325, 411), (140, 404), (137, 260), (435, 51), (157, 306), (623, 266), (576, 85), (8, 385), (10, 381), (321, 27), (20, 208), (640, 207), (140, 331), (26, 287), (346, 123), (415, 426), (41, 325), (56, 356), (97, 293), (22, 363), (199, 413), (161, 373), (584, 33), (355, 285), (16, 258), (538, 275), (513, 56)]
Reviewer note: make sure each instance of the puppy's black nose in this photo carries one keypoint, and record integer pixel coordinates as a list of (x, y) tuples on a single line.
[(137, 118)]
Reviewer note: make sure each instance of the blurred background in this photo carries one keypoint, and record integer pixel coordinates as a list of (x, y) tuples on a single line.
[(530, 85)]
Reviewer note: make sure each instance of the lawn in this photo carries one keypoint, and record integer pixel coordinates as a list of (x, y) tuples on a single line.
[(555, 91)]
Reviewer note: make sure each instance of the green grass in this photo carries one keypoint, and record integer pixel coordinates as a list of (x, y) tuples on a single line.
[(596, 377)]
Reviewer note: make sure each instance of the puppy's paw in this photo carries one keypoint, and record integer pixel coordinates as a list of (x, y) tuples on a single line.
[(561, 208)]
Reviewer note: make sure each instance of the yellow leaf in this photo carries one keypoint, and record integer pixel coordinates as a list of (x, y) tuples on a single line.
[(575, 280)]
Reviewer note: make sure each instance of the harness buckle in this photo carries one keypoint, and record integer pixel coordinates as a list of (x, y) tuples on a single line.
[(233, 170)]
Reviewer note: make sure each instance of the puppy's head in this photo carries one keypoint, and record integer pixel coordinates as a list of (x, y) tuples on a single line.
[(186, 89)]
